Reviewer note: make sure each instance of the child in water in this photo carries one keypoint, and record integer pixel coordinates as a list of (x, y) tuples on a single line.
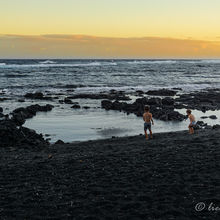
[(192, 121), (147, 116)]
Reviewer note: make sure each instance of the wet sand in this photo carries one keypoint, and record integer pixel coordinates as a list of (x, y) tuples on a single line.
[(118, 178)]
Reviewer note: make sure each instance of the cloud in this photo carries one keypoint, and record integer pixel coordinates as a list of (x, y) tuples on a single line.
[(83, 46)]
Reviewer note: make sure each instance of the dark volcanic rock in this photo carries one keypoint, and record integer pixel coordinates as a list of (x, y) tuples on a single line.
[(161, 92), (213, 117), (201, 100), (75, 106), (106, 104), (37, 95), (159, 111), (216, 126), (11, 135), (21, 100), (19, 115), (59, 142), (86, 107), (204, 117), (200, 125), (68, 101), (3, 99), (1, 109), (111, 96), (168, 101)]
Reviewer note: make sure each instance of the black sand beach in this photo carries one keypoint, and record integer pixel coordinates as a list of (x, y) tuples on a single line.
[(118, 178)]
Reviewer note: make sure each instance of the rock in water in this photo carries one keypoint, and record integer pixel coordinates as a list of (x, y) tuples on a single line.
[(159, 110), (68, 101), (19, 115), (213, 117), (75, 106), (161, 92)]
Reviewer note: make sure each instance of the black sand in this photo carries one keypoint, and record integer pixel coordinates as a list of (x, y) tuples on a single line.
[(121, 178)]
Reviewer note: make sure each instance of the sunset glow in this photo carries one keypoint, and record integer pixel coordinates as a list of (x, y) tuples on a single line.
[(103, 28)]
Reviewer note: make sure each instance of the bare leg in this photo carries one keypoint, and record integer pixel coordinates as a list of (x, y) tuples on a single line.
[(146, 136), (151, 134), (189, 129)]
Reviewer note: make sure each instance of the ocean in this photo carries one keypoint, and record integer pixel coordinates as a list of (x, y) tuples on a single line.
[(67, 77)]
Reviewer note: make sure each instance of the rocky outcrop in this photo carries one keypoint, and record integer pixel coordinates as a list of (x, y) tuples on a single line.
[(162, 92), (202, 100), (37, 95), (13, 136), (213, 117), (19, 115), (76, 106), (111, 96), (162, 109)]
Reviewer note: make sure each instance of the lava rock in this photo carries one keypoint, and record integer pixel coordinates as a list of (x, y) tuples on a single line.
[(68, 101), (37, 95), (204, 117), (75, 106), (161, 92), (216, 126), (168, 101), (19, 115), (165, 112), (59, 142), (86, 107), (3, 99), (213, 117), (12, 136), (106, 104), (110, 96)]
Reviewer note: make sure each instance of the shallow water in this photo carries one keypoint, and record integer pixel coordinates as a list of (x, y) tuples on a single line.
[(79, 125)]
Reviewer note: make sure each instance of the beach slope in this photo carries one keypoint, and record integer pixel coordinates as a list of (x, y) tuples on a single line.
[(118, 178)]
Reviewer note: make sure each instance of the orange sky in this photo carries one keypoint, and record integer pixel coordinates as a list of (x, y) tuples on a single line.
[(82, 46), (109, 28)]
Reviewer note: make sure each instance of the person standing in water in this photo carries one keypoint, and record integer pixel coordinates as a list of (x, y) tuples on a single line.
[(192, 121), (147, 117)]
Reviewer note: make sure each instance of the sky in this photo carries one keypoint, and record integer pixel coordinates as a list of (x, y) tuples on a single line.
[(109, 28)]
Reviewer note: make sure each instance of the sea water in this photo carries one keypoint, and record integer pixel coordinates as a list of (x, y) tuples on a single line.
[(70, 77)]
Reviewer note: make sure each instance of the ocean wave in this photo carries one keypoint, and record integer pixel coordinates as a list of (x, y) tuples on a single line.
[(184, 87), (152, 62), (211, 61), (45, 65), (47, 62), (2, 64)]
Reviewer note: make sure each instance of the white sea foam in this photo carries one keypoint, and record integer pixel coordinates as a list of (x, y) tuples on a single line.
[(47, 62), (41, 65), (2, 64), (184, 87), (211, 61), (152, 62)]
